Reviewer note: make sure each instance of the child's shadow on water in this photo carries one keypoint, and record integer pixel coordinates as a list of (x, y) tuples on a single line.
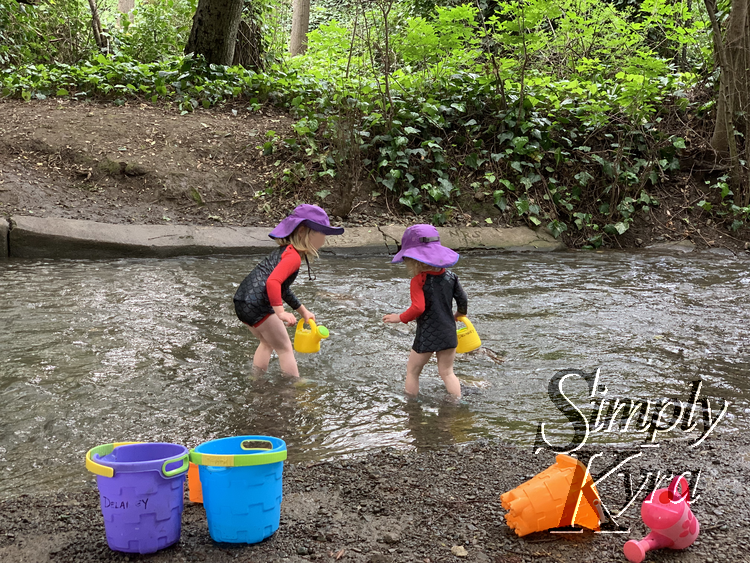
[(451, 424), (272, 404)]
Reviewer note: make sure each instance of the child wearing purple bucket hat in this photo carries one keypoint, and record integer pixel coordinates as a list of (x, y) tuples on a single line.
[(433, 290), (258, 300)]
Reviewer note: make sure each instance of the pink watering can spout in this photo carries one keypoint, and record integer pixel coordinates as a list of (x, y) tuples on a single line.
[(672, 523)]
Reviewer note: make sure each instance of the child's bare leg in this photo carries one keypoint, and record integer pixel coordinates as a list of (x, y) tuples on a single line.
[(413, 370), (273, 333), (445, 369), (262, 355)]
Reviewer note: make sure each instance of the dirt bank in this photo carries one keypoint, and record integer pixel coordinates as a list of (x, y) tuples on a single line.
[(145, 164), (393, 506)]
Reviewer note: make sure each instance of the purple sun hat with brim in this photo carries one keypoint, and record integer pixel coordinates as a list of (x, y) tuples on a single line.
[(422, 242), (312, 216)]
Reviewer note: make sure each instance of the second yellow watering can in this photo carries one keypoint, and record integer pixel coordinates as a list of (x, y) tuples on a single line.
[(306, 340), (468, 339)]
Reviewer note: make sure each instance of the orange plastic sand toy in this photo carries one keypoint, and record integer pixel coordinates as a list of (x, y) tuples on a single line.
[(195, 490), (556, 497)]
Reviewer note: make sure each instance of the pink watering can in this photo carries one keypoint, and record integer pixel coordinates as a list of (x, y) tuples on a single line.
[(671, 521)]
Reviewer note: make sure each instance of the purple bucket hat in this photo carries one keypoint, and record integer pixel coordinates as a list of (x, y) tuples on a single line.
[(312, 216), (422, 242)]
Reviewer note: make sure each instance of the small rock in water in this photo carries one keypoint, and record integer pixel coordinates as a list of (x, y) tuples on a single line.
[(466, 390)]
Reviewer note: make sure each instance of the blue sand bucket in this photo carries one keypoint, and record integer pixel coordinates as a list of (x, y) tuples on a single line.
[(241, 481), (140, 493)]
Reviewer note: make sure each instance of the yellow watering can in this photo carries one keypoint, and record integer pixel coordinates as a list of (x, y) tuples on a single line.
[(468, 339), (306, 340)]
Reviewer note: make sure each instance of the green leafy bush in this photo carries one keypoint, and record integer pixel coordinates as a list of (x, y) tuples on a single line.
[(155, 30), (44, 32), (185, 81)]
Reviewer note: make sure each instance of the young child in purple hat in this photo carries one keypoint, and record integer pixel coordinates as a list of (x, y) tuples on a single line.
[(433, 290), (258, 300)]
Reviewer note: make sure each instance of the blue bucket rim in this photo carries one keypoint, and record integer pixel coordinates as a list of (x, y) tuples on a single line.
[(254, 456)]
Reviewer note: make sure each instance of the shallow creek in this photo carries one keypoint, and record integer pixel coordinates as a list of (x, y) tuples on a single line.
[(93, 352)]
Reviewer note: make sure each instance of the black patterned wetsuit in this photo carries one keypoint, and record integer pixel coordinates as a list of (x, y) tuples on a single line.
[(251, 301), (432, 295)]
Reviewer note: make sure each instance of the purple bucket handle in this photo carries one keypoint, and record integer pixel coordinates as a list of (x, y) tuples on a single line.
[(104, 449), (97, 464)]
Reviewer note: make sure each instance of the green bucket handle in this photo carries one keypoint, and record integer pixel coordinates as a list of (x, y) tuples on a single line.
[(185, 464), (240, 460), (104, 449)]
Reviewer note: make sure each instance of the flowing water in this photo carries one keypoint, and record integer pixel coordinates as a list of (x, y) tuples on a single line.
[(93, 352)]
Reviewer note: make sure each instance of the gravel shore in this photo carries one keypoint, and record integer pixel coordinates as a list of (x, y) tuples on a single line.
[(392, 506)]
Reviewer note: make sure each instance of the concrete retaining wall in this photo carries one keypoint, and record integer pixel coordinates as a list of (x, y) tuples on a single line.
[(36, 237), (4, 227)]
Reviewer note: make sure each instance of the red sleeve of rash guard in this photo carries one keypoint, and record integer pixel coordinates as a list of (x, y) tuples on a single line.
[(290, 262), (417, 299)]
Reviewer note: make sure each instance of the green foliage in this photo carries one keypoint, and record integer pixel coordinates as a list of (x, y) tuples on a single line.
[(325, 11), (59, 31), (44, 32), (549, 112), (17, 42), (423, 43), (155, 30), (443, 124), (185, 81), (261, 14), (723, 208)]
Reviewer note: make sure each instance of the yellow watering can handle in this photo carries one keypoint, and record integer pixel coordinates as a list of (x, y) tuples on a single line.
[(301, 325), (466, 321)]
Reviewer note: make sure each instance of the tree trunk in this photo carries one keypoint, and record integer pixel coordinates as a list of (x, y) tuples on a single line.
[(734, 76), (300, 25), (733, 106), (214, 31), (125, 6), (96, 27)]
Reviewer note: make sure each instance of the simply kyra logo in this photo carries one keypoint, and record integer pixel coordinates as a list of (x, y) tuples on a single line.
[(648, 419)]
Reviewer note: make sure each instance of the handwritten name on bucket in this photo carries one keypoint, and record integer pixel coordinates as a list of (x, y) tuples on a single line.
[(123, 504)]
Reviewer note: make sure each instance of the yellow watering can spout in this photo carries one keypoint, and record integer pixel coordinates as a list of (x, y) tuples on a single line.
[(306, 340), (468, 339)]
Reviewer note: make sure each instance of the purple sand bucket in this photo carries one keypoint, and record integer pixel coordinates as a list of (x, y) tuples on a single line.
[(141, 490)]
